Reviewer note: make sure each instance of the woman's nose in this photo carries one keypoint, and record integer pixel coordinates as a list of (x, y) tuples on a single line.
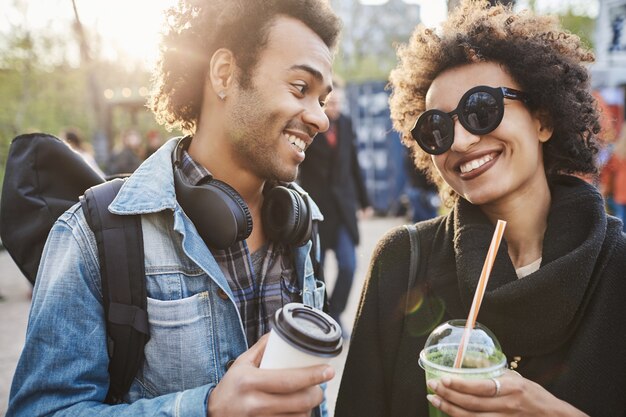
[(463, 140)]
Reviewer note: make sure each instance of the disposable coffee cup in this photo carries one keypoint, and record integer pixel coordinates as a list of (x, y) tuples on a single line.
[(483, 357), (301, 336)]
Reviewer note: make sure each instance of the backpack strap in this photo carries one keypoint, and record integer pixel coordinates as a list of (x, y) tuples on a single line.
[(122, 273), (318, 270), (414, 261)]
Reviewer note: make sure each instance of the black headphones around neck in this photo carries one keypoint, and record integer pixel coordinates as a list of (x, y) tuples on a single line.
[(222, 217)]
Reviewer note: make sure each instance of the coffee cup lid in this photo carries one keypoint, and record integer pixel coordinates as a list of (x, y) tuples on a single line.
[(308, 329)]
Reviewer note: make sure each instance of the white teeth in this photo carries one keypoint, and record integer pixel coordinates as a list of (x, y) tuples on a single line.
[(297, 142), (476, 163)]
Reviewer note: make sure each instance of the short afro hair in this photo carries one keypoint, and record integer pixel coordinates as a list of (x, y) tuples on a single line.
[(197, 28)]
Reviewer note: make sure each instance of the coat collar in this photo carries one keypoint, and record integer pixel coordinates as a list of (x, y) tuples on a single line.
[(545, 307)]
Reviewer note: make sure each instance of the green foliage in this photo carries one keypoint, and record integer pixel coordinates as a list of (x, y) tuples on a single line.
[(42, 91), (365, 64), (36, 100), (574, 17), (581, 25)]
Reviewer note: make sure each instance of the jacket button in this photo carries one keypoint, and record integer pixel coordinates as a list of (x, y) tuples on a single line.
[(229, 364), (222, 294)]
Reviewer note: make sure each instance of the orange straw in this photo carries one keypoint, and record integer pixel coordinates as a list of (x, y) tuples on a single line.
[(480, 291)]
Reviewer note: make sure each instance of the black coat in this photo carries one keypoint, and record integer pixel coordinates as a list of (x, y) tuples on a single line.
[(333, 178), (565, 320)]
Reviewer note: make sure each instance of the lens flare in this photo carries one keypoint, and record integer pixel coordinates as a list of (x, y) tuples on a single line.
[(423, 313)]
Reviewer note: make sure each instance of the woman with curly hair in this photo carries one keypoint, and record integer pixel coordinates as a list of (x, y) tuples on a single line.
[(497, 106)]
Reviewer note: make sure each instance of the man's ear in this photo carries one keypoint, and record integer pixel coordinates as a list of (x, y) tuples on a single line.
[(543, 124), (221, 72)]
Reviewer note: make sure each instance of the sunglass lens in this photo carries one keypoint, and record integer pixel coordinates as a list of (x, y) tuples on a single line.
[(481, 112), (435, 133)]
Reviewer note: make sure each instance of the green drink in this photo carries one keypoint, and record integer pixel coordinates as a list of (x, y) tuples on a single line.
[(483, 357)]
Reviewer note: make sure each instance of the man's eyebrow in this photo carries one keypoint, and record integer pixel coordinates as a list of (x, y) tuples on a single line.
[(315, 73)]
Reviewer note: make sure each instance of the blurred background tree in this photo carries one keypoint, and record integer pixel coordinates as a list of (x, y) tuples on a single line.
[(580, 24), (62, 73), (38, 86), (58, 76), (372, 29)]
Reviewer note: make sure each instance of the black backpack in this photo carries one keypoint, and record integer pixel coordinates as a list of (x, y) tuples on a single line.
[(44, 177)]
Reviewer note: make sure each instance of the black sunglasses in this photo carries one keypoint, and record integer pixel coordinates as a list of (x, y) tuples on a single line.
[(480, 111)]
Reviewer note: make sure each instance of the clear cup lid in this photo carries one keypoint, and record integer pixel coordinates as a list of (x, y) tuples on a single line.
[(483, 349)]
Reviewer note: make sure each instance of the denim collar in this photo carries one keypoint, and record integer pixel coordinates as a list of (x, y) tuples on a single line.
[(151, 187)]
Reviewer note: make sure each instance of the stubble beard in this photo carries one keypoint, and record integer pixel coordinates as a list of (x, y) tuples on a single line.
[(254, 133)]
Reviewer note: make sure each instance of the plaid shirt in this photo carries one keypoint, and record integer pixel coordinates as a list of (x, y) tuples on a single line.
[(261, 282)]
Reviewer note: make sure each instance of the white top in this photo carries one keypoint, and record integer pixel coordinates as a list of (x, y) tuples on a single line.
[(528, 269)]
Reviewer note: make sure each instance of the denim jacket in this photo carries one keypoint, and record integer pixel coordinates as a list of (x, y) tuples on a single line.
[(195, 327)]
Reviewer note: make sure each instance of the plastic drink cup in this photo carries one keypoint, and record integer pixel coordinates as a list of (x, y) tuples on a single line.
[(301, 336), (483, 357)]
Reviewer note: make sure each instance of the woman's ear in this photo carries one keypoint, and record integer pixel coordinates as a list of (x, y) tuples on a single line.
[(543, 124), (221, 73)]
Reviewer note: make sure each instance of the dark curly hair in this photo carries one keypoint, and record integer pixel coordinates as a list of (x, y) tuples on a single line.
[(197, 28), (546, 62)]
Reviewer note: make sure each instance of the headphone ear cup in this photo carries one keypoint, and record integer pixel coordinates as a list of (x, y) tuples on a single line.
[(218, 212), (233, 204), (286, 216)]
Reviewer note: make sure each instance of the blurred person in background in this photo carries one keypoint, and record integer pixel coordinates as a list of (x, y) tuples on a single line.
[(154, 141), (613, 177), (332, 176), (422, 193), (128, 157), (246, 80), (498, 109), (74, 138)]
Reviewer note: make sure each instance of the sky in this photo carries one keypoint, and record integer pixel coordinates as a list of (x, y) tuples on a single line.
[(133, 26)]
